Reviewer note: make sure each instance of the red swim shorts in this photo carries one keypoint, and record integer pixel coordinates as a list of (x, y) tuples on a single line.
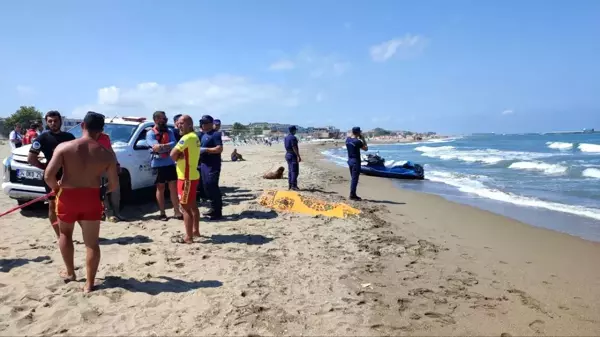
[(186, 190), (79, 204)]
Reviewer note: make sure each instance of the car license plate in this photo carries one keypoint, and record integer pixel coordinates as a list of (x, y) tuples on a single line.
[(26, 174)]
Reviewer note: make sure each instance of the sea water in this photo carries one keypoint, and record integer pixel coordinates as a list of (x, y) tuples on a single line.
[(547, 180)]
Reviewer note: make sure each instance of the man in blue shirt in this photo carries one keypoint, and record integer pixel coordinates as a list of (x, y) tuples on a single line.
[(354, 144), (201, 193), (292, 156), (161, 140), (210, 165)]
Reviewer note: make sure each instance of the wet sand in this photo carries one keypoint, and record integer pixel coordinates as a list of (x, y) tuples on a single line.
[(411, 264)]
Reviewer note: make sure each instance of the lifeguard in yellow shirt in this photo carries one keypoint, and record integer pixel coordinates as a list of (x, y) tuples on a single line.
[(186, 154)]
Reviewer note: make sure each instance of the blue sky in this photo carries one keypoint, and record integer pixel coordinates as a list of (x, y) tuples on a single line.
[(447, 66)]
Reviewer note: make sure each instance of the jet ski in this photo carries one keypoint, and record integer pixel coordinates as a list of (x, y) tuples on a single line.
[(374, 165)]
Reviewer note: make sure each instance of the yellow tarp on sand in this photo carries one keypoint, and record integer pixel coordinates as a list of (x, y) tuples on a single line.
[(294, 202)]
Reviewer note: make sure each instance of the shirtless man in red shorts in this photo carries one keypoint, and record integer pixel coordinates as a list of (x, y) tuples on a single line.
[(78, 198)]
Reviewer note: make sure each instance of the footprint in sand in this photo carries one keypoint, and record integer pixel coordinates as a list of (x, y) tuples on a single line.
[(530, 302), (444, 319), (403, 304), (149, 263), (146, 251), (537, 326)]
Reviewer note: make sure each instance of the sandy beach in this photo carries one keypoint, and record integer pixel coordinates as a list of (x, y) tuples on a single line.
[(410, 264)]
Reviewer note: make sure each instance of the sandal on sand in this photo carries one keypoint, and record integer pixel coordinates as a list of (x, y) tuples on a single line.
[(163, 217)]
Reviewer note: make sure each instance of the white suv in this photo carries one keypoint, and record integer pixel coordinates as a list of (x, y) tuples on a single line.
[(24, 182)]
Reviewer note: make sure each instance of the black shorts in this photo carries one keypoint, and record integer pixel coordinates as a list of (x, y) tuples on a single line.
[(164, 174)]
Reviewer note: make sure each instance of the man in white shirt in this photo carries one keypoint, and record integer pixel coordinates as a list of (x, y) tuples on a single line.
[(15, 137)]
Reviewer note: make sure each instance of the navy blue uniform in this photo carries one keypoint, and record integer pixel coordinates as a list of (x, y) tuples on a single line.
[(176, 134), (353, 145), (47, 143), (210, 170), (201, 193), (290, 142)]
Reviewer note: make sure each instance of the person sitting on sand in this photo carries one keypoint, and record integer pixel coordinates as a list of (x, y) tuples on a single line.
[(186, 154), (78, 197), (277, 174), (235, 156)]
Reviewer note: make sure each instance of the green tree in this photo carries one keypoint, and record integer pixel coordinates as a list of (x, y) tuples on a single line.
[(257, 131), (25, 115), (238, 128), (380, 132)]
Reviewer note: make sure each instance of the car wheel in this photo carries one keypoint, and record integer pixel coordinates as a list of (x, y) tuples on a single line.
[(125, 186)]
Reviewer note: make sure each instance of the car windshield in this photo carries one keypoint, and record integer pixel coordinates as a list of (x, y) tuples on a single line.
[(118, 133)]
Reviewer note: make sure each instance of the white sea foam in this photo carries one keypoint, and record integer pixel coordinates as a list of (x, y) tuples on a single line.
[(429, 141), (434, 148), (591, 173), (546, 168), (340, 160), (559, 145), (589, 147), (487, 156), (472, 185)]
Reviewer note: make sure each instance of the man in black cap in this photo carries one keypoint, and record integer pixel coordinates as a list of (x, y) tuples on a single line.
[(292, 156), (210, 165), (354, 144)]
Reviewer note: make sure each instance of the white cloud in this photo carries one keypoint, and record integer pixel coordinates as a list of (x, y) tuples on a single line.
[(319, 97), (221, 94), (381, 119), (507, 112), (24, 90), (340, 68), (321, 65), (282, 65), (404, 46)]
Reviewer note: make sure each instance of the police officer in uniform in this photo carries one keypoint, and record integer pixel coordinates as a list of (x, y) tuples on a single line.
[(46, 143), (292, 157), (354, 144), (210, 165)]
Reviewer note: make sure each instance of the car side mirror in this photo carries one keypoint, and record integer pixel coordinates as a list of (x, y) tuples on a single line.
[(141, 144)]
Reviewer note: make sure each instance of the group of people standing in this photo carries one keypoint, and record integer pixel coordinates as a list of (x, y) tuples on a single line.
[(79, 173), (17, 138), (186, 162), (354, 144), (189, 164)]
